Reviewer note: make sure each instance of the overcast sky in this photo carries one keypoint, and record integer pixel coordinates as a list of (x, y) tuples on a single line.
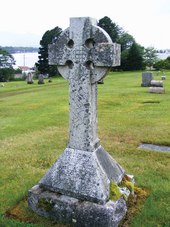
[(148, 21)]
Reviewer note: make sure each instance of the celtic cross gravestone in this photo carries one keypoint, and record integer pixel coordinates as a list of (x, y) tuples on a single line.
[(83, 53)]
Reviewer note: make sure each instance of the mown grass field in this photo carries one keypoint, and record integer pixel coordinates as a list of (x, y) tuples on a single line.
[(34, 130)]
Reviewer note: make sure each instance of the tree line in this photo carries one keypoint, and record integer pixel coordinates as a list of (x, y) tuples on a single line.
[(133, 55)]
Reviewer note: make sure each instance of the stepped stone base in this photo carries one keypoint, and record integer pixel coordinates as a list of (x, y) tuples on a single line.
[(83, 175), (68, 210)]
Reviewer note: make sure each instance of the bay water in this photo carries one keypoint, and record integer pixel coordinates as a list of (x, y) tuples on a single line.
[(26, 59)]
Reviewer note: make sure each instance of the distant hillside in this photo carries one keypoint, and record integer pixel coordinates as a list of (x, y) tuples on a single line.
[(13, 50)]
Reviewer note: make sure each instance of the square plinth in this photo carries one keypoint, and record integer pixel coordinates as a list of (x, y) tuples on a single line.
[(68, 210)]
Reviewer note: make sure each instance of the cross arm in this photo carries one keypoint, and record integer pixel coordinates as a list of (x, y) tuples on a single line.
[(106, 55)]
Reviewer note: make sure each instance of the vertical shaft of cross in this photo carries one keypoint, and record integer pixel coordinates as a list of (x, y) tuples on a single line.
[(83, 111), (83, 94)]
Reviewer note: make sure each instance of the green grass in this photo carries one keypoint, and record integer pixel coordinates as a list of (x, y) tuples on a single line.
[(34, 127)]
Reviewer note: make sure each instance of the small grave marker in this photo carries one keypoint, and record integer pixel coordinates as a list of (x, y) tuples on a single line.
[(29, 78), (40, 79), (146, 79)]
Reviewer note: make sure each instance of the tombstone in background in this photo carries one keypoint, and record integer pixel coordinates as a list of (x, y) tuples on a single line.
[(157, 87), (156, 83), (157, 90), (146, 79), (163, 77), (29, 78), (40, 79), (78, 187)]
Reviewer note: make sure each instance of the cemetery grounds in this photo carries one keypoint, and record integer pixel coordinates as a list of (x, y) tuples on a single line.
[(34, 130)]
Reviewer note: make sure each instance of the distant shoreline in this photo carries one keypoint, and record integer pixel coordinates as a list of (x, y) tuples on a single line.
[(15, 50)]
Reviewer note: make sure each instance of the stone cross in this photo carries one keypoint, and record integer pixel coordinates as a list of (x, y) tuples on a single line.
[(76, 189), (83, 54)]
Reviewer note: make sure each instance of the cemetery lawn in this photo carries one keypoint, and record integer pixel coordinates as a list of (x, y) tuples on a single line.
[(33, 133)]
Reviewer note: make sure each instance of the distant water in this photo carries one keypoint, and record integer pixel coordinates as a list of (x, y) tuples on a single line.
[(163, 56), (26, 59)]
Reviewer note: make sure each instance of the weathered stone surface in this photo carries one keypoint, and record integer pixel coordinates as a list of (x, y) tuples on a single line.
[(146, 79), (76, 212), (158, 90), (83, 175), (156, 83)]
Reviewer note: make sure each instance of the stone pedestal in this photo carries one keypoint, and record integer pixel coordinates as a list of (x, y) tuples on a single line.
[(76, 190), (69, 210), (83, 175)]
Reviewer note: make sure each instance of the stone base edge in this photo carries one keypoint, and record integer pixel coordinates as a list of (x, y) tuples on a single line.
[(69, 210)]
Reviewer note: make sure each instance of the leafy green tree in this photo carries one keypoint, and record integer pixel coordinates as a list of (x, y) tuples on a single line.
[(150, 56), (167, 63), (42, 65), (159, 65), (6, 66), (126, 40), (162, 64)]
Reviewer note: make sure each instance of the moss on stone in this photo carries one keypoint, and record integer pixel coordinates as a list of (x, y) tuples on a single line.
[(45, 204), (115, 192), (128, 185), (126, 182)]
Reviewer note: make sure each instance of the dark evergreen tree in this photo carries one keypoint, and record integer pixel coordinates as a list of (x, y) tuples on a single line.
[(111, 28), (42, 65), (135, 59), (124, 60)]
